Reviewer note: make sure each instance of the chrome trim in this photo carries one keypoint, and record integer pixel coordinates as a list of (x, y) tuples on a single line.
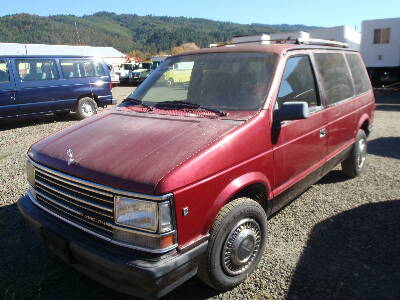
[(102, 187), (92, 204), (71, 210), (122, 244), (40, 176), (62, 205)]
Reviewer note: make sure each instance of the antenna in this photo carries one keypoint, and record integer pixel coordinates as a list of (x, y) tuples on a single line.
[(79, 38)]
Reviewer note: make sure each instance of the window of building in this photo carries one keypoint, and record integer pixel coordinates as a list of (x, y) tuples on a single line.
[(298, 83), (335, 76), (4, 77), (360, 77), (36, 69), (381, 36)]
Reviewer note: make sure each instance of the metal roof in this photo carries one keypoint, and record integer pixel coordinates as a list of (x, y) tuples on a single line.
[(42, 49)]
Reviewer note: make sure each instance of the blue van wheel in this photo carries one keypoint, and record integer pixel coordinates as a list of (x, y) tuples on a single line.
[(86, 108)]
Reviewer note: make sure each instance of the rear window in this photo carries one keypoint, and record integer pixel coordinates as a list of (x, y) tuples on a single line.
[(36, 69), (361, 80), (79, 68), (335, 76), (4, 77)]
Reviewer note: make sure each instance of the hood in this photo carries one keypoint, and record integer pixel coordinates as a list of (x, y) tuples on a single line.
[(128, 150)]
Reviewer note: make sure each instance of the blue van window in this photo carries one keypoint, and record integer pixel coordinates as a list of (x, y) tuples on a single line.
[(99, 69), (77, 68), (4, 77), (36, 69)]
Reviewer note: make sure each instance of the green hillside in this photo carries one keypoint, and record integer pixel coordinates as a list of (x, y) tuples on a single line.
[(125, 32)]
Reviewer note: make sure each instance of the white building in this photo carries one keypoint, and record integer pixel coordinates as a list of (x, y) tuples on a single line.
[(344, 34), (380, 43), (289, 35), (109, 54), (256, 39)]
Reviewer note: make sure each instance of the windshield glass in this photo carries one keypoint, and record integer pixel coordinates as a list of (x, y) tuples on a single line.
[(223, 81)]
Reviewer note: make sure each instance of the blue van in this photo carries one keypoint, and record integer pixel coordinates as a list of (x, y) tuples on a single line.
[(53, 84)]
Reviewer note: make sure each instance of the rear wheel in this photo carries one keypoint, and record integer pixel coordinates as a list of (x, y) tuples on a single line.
[(170, 82), (237, 242), (354, 164), (86, 108)]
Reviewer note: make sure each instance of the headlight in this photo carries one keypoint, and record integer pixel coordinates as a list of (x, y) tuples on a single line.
[(142, 214), (30, 172)]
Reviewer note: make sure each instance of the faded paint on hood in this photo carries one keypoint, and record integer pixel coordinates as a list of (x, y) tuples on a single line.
[(130, 151)]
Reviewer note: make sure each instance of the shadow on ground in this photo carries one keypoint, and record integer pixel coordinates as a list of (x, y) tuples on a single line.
[(385, 146), (30, 271), (353, 255), (14, 123), (387, 100)]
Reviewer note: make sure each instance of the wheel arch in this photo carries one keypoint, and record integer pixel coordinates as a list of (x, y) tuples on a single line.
[(363, 124), (254, 185)]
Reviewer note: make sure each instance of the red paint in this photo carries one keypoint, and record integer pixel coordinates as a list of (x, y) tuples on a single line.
[(201, 158)]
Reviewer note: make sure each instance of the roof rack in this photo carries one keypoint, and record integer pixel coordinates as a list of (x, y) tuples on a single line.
[(303, 41), (321, 42)]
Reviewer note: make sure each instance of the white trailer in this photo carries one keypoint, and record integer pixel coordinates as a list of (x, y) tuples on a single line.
[(380, 49), (343, 34)]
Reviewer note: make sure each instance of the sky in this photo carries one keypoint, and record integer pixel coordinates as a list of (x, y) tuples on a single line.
[(308, 12)]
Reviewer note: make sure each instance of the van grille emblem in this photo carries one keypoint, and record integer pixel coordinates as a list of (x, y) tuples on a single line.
[(70, 156)]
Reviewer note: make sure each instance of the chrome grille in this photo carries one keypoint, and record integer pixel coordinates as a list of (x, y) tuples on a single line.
[(75, 200)]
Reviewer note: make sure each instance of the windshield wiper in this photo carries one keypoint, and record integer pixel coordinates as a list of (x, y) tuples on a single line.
[(137, 102), (189, 105)]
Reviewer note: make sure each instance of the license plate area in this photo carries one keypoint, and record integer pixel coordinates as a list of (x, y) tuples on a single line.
[(57, 245)]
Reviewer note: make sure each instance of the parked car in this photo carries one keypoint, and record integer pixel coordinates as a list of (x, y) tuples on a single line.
[(53, 84), (178, 181)]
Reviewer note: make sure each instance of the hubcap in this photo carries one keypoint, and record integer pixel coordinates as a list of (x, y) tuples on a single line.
[(241, 247), (362, 147), (87, 109)]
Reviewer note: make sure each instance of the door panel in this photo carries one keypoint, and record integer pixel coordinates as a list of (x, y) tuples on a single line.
[(299, 146), (8, 104)]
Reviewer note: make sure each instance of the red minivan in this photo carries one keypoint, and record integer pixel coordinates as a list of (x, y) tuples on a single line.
[(180, 178)]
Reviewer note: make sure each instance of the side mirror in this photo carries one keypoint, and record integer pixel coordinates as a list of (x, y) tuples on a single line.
[(291, 111)]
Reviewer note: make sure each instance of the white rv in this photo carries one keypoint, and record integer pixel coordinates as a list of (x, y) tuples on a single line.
[(380, 49)]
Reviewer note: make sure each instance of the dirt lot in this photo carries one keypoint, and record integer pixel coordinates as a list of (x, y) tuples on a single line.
[(339, 240)]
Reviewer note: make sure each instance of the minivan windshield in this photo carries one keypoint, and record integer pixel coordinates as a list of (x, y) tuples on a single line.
[(231, 81)]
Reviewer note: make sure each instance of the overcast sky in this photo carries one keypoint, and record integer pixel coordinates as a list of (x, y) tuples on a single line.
[(318, 13)]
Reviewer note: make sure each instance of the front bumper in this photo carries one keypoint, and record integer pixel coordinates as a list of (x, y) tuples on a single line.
[(128, 271)]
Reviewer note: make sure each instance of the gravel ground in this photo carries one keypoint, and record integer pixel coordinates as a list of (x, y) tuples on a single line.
[(339, 240)]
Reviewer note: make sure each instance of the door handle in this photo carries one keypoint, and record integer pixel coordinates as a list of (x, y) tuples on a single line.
[(322, 133)]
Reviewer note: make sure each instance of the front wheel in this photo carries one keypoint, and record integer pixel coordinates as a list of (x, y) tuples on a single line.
[(237, 242), (354, 164), (86, 108)]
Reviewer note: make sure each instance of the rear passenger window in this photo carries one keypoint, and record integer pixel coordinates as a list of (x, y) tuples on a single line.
[(99, 69), (78, 68), (360, 78), (298, 82), (4, 77), (335, 76), (36, 69)]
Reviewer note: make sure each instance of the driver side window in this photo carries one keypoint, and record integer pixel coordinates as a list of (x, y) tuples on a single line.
[(298, 83)]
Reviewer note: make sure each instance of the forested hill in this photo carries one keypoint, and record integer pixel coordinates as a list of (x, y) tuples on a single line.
[(125, 32)]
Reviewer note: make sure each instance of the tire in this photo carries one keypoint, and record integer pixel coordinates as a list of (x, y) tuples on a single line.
[(170, 82), (86, 108), (354, 164), (237, 242)]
